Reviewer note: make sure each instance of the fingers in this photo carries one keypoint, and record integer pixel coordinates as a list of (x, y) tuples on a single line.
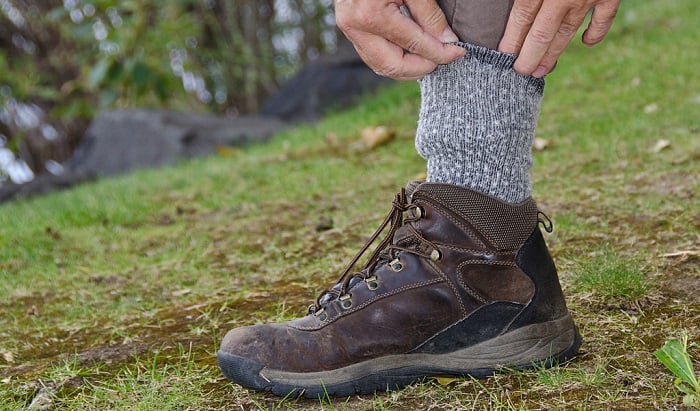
[(382, 35), (538, 31), (412, 37), (539, 38), (538, 64), (521, 17), (601, 21), (389, 60), (431, 19)]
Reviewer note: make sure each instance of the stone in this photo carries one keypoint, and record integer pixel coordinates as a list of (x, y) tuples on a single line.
[(332, 82), (42, 184), (123, 140)]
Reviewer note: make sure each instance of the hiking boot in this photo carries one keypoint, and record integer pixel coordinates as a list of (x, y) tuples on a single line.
[(461, 285)]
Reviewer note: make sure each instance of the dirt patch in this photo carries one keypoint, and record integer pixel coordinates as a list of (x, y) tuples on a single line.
[(681, 280), (112, 353)]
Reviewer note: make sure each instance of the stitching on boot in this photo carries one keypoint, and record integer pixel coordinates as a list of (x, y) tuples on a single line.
[(455, 291), (372, 300)]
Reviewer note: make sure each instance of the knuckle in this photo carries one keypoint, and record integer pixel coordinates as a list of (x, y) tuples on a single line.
[(364, 18), (523, 17), (392, 72), (568, 29), (386, 70), (594, 37), (359, 18), (413, 46), (434, 18), (539, 36), (524, 12)]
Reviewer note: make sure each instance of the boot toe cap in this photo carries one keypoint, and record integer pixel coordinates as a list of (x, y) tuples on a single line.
[(247, 342)]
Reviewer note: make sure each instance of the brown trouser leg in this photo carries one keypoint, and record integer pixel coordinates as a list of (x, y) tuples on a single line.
[(480, 22)]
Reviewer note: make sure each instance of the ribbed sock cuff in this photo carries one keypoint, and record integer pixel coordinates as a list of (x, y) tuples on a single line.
[(476, 124)]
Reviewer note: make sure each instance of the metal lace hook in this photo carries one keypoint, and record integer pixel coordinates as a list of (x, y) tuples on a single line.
[(545, 221)]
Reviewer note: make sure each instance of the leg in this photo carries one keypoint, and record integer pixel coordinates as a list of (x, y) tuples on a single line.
[(463, 283), (478, 116), (478, 22)]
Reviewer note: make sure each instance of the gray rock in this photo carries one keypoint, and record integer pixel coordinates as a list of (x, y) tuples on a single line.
[(123, 140), (332, 82), (42, 184)]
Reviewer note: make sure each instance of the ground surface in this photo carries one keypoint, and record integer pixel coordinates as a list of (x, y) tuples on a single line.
[(115, 295)]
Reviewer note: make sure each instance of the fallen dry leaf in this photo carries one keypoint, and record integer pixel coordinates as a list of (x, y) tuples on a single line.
[(374, 137), (422, 176), (684, 253), (446, 380), (540, 144), (8, 357), (651, 108), (332, 139), (227, 152), (180, 293), (660, 146)]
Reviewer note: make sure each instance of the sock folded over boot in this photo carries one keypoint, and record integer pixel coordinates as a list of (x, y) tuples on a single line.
[(477, 122)]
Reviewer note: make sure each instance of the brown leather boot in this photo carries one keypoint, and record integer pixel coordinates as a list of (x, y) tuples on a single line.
[(462, 285)]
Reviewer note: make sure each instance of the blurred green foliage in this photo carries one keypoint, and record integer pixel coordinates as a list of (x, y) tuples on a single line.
[(72, 58)]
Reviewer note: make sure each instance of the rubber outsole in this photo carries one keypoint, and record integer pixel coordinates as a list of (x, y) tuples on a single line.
[(395, 372)]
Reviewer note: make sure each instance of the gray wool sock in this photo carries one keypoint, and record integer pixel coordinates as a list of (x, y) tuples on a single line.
[(476, 125)]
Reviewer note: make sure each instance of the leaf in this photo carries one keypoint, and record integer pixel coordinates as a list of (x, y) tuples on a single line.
[(661, 145), (48, 93), (180, 293), (675, 357), (683, 254), (98, 73), (691, 400), (161, 88), (108, 97), (540, 144), (651, 108), (684, 388), (8, 357), (377, 136), (446, 380), (227, 151), (141, 74)]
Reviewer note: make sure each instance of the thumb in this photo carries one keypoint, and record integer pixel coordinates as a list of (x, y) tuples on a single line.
[(428, 15)]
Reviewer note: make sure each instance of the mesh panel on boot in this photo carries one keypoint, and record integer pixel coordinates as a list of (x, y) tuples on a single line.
[(507, 226)]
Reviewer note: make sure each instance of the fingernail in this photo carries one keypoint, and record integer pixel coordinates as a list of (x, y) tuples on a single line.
[(540, 72), (448, 36)]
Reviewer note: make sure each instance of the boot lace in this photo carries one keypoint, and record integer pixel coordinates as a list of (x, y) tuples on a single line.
[(385, 252)]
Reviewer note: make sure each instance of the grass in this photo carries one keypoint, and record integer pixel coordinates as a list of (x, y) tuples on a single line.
[(611, 277), (114, 295)]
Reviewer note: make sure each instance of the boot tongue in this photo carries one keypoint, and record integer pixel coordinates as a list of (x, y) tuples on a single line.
[(411, 188)]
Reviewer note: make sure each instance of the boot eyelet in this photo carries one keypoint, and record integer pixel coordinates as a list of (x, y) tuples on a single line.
[(372, 283), (346, 302), (435, 255), (396, 265), (419, 212), (321, 315)]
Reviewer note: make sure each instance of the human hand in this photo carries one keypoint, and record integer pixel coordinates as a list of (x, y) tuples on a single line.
[(393, 44), (538, 31)]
